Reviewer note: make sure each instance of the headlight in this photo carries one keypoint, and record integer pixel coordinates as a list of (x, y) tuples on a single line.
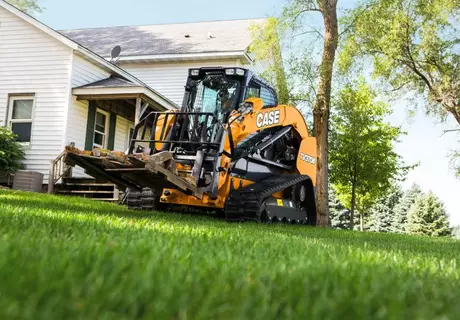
[(240, 72), (229, 72), (195, 72)]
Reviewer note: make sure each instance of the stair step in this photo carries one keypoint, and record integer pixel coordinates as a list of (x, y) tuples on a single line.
[(85, 191), (78, 180), (90, 184)]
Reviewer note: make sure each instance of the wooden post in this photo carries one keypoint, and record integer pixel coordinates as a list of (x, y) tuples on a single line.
[(51, 179), (137, 114)]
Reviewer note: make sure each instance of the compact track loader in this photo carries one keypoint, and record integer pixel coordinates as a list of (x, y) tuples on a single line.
[(230, 149)]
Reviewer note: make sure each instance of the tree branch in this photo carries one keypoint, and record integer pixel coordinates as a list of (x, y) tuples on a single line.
[(449, 130), (311, 31), (355, 19), (298, 14), (413, 62)]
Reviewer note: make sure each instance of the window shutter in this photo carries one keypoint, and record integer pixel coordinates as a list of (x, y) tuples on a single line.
[(112, 127), (90, 126)]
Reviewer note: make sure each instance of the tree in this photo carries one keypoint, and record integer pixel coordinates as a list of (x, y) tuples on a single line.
[(361, 149), (456, 232), (413, 44), (455, 162), (382, 216), (402, 209), (11, 153), (428, 217), (321, 109), (28, 6), (339, 215)]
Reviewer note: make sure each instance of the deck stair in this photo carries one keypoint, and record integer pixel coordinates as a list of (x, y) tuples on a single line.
[(89, 188)]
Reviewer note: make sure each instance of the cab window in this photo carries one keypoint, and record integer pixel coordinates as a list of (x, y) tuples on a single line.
[(252, 92)]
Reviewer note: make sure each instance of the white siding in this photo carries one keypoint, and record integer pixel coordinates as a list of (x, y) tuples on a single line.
[(121, 134), (33, 62), (169, 78), (76, 131), (85, 72)]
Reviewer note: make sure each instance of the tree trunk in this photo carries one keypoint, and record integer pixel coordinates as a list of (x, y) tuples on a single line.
[(353, 206), (450, 105), (455, 110), (321, 109)]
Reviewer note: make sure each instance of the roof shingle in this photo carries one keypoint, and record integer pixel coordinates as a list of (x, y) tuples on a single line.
[(184, 38), (112, 82)]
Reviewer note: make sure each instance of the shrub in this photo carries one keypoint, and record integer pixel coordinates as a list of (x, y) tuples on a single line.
[(11, 152)]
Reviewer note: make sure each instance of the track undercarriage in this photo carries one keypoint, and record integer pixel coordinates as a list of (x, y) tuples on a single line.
[(252, 203)]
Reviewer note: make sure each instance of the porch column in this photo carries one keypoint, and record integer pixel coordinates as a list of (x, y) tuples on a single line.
[(137, 115), (90, 125)]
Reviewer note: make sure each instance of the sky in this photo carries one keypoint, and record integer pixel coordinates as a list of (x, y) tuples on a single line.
[(424, 142)]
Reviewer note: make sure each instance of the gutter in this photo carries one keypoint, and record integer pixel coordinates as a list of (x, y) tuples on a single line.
[(184, 56)]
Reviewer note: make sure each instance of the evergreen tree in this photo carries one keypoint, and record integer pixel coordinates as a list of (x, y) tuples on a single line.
[(428, 217), (456, 232), (402, 209), (339, 215), (382, 214)]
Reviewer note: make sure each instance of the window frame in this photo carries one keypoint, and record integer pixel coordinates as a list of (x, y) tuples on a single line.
[(106, 129), (128, 139), (18, 97)]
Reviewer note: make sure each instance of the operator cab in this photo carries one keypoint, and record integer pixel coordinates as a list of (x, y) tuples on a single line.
[(219, 90)]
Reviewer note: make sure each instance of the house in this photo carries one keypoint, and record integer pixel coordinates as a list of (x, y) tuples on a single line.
[(61, 87), (160, 55)]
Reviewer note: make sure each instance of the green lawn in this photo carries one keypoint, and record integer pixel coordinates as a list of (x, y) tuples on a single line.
[(64, 258)]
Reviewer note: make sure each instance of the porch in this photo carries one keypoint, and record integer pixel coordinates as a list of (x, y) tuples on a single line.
[(112, 108)]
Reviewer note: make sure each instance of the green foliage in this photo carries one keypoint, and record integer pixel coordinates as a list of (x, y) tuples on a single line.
[(339, 215), (265, 49), (362, 158), (28, 6), (456, 232), (413, 44), (66, 258), (382, 214), (11, 153), (428, 216), (293, 73), (455, 161), (402, 209)]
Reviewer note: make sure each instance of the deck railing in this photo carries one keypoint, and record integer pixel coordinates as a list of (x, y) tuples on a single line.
[(59, 169)]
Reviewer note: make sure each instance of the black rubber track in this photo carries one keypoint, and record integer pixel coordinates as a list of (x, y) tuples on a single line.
[(133, 200), (247, 203), (147, 199)]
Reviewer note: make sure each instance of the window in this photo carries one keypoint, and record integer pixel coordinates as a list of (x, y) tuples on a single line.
[(20, 117), (101, 126), (252, 92), (268, 97)]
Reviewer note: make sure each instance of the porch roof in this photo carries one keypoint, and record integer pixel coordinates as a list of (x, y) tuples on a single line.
[(114, 88)]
